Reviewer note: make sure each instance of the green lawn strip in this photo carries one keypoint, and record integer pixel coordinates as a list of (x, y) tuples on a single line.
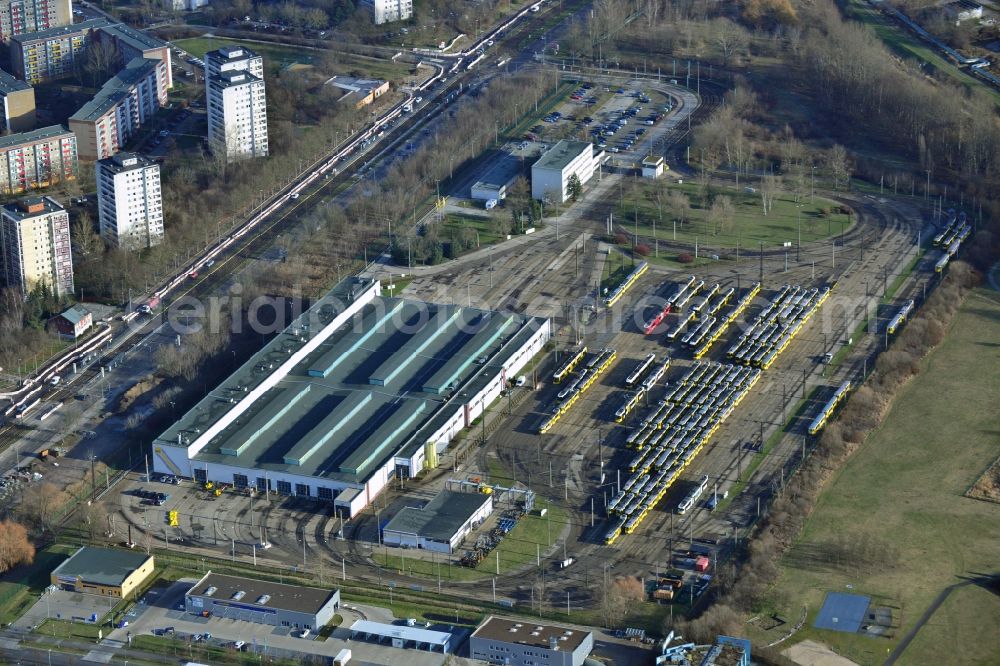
[(798, 412), (903, 274), (67, 629), (669, 260), (904, 489), (398, 284), (747, 228), (545, 106), (615, 272), (16, 596), (844, 349), (484, 227), (327, 629)]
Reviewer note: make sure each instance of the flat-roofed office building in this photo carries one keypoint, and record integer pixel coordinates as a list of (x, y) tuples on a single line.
[(261, 601)]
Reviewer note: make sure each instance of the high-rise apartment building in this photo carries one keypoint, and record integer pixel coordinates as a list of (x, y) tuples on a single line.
[(386, 11), (233, 59), (34, 235), (36, 159), (129, 201), (236, 102), (20, 16)]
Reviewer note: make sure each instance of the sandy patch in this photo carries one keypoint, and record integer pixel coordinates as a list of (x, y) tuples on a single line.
[(811, 653)]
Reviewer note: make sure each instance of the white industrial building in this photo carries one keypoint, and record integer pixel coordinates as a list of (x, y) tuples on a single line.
[(495, 181), (551, 173), (129, 201), (386, 11), (653, 166), (236, 103), (523, 642), (441, 524), (358, 390)]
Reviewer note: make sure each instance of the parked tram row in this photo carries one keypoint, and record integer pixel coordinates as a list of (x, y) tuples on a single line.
[(671, 436), (776, 325)]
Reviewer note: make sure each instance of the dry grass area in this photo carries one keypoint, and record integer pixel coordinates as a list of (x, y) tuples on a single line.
[(136, 391), (904, 492), (987, 487)]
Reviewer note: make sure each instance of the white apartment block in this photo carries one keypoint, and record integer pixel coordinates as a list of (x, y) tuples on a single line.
[(130, 98), (233, 59), (551, 173), (386, 11), (20, 16), (129, 201), (34, 235), (237, 103)]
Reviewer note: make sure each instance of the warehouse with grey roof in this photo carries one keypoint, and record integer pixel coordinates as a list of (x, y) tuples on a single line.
[(357, 390), (441, 524)]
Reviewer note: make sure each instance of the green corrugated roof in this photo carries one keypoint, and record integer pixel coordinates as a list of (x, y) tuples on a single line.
[(103, 566)]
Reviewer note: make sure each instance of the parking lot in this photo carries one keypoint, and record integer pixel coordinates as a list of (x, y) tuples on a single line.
[(65, 605), (616, 119)]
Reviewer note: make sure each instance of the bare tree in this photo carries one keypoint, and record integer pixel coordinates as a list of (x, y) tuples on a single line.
[(769, 187), (14, 546), (839, 164), (730, 38), (40, 502), (721, 213), (86, 242), (619, 598)]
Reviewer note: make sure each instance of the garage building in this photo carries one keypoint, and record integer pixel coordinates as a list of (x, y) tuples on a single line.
[(494, 182), (551, 173), (441, 524), (105, 571), (358, 390), (262, 602)]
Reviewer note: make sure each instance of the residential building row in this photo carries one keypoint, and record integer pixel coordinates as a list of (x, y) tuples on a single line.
[(60, 51), (20, 16), (126, 102), (36, 159)]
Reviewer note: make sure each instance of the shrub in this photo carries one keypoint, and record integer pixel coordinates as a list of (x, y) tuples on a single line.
[(621, 239), (685, 258), (642, 250)]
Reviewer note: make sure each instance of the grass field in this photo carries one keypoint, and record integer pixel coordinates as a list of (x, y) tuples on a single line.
[(280, 56), (22, 586), (905, 488), (748, 227), (484, 227)]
